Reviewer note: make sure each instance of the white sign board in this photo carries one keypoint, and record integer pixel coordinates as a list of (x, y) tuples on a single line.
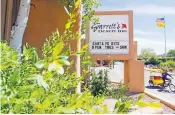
[(110, 35)]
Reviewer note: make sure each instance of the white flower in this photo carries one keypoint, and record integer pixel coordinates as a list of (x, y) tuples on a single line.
[(43, 72), (41, 82), (45, 85), (52, 66), (60, 70), (67, 62)]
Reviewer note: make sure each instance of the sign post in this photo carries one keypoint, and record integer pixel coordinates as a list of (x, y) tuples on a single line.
[(112, 39)]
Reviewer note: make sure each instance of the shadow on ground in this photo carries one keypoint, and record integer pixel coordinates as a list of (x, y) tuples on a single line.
[(133, 93), (159, 89), (153, 87)]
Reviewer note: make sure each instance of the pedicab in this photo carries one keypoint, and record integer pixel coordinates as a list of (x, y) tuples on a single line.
[(156, 80)]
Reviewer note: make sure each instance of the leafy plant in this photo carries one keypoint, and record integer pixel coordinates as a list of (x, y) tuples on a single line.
[(86, 62), (153, 104), (35, 85), (99, 82), (14, 83), (123, 106), (88, 13), (169, 63), (119, 92), (124, 102), (8, 57), (153, 60)]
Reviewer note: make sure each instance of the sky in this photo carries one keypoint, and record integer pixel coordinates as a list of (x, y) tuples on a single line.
[(145, 13)]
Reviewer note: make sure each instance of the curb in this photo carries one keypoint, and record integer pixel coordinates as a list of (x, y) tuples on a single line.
[(168, 72), (166, 102)]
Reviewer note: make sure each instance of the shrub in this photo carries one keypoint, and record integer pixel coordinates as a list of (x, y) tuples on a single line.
[(153, 61), (170, 64), (120, 92), (46, 85), (86, 62), (123, 106), (32, 85), (99, 82)]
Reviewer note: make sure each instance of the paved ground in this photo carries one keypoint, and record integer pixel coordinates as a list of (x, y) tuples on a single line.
[(111, 103), (164, 94), (166, 109), (117, 75)]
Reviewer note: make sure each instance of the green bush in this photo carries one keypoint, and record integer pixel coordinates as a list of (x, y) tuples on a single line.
[(32, 85), (99, 82), (44, 85), (153, 61), (86, 62), (122, 107), (159, 59), (120, 92), (170, 64)]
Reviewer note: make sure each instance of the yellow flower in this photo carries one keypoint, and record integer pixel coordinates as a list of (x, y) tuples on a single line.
[(38, 106)]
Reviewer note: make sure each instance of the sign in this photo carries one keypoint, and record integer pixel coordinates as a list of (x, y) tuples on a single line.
[(110, 35)]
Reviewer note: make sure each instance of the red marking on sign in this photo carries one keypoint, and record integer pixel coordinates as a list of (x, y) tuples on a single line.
[(124, 26)]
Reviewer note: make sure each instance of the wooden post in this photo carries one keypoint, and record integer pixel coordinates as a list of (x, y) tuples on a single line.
[(8, 20), (77, 59), (3, 14)]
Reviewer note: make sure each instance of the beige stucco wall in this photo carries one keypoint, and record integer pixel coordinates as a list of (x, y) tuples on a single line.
[(134, 72), (136, 77), (44, 20), (126, 71), (48, 16), (135, 50)]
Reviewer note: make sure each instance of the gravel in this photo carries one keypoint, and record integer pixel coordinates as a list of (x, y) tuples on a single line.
[(166, 109)]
